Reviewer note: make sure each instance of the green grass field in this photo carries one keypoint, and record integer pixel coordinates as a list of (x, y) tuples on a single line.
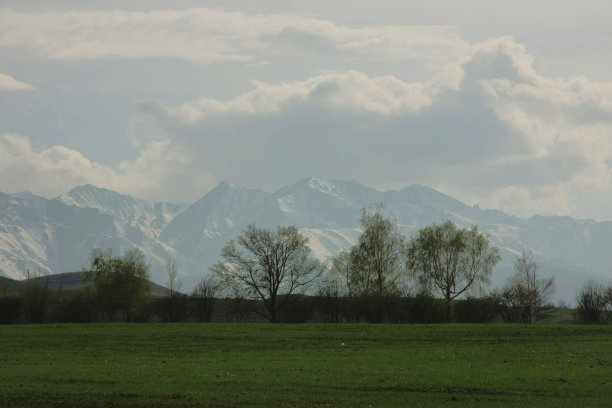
[(262, 365)]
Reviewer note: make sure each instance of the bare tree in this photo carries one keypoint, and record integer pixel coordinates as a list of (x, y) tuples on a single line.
[(594, 303), (525, 293), (330, 295), (273, 266), (174, 283), (451, 260), (203, 297), (35, 297)]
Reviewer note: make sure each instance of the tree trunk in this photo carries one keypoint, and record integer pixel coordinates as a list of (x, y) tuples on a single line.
[(448, 306), (273, 309)]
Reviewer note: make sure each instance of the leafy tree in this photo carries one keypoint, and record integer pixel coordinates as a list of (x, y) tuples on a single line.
[(451, 260), (376, 262), (344, 277), (525, 293), (367, 275), (268, 265), (121, 284)]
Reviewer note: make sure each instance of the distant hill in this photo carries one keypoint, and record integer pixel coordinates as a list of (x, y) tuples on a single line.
[(68, 281), (57, 235)]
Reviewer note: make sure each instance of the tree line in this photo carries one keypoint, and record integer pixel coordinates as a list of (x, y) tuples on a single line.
[(440, 274), (115, 288)]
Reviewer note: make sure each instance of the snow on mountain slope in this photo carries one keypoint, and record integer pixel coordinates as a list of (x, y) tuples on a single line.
[(149, 217), (328, 212), (46, 236), (316, 203), (200, 232), (326, 242), (52, 236)]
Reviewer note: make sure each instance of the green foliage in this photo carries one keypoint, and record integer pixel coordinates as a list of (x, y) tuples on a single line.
[(425, 308), (74, 306), (476, 310), (10, 309), (364, 279), (263, 365), (451, 260), (376, 262), (120, 283)]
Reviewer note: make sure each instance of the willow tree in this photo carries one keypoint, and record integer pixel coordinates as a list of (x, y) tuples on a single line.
[(121, 283), (451, 260), (377, 260)]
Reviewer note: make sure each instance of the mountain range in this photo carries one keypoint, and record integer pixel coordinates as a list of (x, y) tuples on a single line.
[(50, 236)]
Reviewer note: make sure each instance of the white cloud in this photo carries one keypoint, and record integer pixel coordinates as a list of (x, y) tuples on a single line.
[(486, 126), (8, 83), (157, 173), (350, 91), (48, 172), (490, 126), (207, 35)]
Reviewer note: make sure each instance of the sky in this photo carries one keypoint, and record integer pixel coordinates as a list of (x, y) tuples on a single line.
[(504, 104)]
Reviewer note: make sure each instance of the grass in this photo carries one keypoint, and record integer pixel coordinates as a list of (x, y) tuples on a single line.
[(262, 365)]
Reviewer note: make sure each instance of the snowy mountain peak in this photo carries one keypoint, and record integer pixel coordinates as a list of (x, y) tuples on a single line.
[(95, 197), (321, 185), (57, 235), (27, 195), (225, 185), (307, 187), (426, 195)]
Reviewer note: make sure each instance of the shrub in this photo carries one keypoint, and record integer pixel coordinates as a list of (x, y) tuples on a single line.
[(593, 303), (425, 308), (10, 309), (476, 310), (174, 308), (75, 306)]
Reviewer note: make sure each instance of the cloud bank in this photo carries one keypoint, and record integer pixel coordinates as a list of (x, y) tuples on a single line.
[(484, 125), (8, 83), (210, 35)]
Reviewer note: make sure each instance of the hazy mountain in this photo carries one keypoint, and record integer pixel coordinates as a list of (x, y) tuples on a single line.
[(151, 218), (53, 236)]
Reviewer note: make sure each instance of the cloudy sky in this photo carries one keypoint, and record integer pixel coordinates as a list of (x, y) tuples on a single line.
[(503, 104)]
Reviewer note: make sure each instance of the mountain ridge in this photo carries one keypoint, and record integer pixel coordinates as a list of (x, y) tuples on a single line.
[(56, 235)]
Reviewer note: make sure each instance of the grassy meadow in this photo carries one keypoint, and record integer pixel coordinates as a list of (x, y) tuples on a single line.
[(307, 365)]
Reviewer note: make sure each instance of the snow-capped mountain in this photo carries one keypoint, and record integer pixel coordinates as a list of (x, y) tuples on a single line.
[(150, 217), (46, 236), (53, 236)]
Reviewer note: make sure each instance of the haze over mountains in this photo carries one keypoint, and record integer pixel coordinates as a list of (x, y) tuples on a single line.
[(56, 235)]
